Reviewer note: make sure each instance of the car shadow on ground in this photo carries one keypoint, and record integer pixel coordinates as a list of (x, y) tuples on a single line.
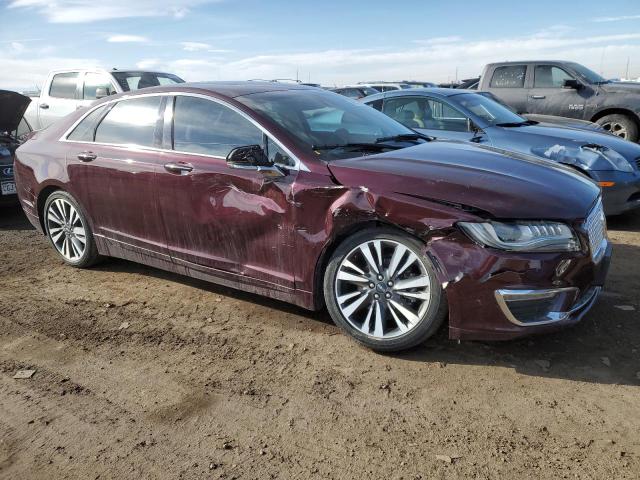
[(12, 218), (604, 348)]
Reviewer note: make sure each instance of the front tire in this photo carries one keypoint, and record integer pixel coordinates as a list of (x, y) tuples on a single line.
[(68, 230), (620, 125), (382, 290)]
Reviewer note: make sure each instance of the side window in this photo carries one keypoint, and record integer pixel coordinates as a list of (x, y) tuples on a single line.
[(548, 76), (277, 155), (510, 76), (420, 112), (351, 93), (85, 130), (377, 104), (204, 126), (95, 81), (409, 111), (64, 85), (130, 122), (444, 117)]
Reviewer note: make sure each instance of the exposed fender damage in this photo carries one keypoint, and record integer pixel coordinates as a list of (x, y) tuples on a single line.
[(590, 156)]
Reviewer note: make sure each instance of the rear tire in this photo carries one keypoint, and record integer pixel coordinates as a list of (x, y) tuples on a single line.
[(68, 230), (620, 125), (383, 291)]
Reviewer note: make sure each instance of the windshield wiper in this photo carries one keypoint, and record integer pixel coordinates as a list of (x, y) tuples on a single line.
[(361, 146), (404, 136), (516, 124)]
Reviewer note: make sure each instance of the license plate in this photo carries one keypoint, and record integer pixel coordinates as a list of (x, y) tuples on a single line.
[(8, 188)]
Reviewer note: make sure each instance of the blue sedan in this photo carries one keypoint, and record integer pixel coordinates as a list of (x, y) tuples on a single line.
[(464, 115)]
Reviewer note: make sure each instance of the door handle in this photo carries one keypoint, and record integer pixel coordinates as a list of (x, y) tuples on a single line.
[(87, 156), (538, 97), (180, 168), (44, 106)]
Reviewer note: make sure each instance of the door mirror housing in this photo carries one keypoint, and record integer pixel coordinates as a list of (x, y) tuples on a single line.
[(101, 92), (572, 83), (249, 156)]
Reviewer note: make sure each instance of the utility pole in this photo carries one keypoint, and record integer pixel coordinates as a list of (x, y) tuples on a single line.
[(627, 74)]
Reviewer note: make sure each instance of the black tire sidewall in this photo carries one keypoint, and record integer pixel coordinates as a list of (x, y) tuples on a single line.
[(427, 326), (90, 255)]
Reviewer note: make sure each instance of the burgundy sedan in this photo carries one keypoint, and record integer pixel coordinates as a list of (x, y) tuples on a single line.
[(308, 197)]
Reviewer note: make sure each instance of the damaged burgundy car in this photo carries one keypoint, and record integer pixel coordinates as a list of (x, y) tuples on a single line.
[(308, 197)]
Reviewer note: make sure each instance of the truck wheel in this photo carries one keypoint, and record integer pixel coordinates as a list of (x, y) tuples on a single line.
[(620, 125)]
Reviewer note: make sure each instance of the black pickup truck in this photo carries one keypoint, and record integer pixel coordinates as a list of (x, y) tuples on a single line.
[(566, 89)]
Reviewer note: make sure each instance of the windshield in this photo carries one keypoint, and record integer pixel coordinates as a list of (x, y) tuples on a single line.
[(136, 80), (316, 118), (492, 112), (586, 74)]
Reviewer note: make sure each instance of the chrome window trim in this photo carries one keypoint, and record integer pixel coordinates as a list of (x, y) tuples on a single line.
[(298, 165)]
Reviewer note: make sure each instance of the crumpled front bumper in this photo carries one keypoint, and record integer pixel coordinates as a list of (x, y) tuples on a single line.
[(557, 289), (624, 195)]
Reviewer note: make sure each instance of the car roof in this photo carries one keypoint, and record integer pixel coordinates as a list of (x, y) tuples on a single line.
[(520, 62), (433, 92), (226, 89)]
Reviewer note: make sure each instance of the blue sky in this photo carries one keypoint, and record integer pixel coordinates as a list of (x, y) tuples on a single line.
[(331, 42)]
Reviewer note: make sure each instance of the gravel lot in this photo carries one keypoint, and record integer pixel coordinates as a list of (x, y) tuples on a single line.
[(145, 374)]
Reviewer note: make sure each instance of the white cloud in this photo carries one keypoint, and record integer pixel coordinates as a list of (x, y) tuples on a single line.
[(429, 60), (148, 64), (432, 61), (26, 73), (18, 47), (195, 46), (127, 39), (617, 19), (79, 11)]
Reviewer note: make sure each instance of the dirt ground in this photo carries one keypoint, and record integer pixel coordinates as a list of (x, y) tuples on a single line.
[(145, 374)]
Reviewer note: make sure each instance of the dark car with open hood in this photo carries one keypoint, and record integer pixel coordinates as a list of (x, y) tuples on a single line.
[(309, 197), (13, 129)]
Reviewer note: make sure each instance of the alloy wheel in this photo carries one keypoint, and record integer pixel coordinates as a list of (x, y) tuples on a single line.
[(382, 288), (66, 229), (616, 128)]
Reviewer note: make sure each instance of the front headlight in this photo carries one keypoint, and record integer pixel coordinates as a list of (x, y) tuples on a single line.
[(523, 236), (614, 158)]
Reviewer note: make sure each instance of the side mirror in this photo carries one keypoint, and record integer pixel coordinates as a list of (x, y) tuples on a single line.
[(572, 83), (101, 92), (249, 156)]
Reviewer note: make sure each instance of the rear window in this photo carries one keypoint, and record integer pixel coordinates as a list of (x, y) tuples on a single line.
[(129, 81), (511, 76), (64, 85), (130, 122)]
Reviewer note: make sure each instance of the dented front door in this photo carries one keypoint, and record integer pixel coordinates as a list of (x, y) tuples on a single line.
[(234, 221)]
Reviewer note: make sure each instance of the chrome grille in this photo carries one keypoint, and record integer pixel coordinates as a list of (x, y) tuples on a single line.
[(638, 163), (596, 228)]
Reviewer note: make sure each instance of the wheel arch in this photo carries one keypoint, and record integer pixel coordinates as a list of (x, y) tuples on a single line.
[(616, 111), (336, 240), (45, 193)]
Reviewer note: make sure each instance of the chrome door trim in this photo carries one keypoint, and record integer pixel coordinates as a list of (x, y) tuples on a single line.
[(298, 165)]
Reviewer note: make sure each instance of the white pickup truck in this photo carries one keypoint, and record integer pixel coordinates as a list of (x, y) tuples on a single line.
[(67, 90)]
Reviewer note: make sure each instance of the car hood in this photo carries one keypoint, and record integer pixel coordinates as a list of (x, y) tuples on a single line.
[(554, 121), (505, 186), (537, 139), (621, 87), (12, 108)]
